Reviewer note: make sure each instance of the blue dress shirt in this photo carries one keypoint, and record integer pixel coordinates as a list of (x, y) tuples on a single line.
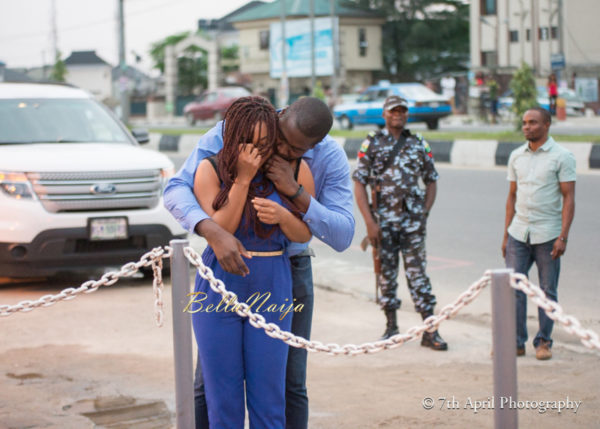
[(329, 216)]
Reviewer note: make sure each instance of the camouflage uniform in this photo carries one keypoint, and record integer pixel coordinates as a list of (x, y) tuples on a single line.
[(401, 212)]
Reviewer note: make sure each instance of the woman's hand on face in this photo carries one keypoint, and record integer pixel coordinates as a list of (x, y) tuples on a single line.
[(268, 211), (249, 161)]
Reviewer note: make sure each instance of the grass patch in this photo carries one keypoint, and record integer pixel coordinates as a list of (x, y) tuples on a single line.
[(503, 136)]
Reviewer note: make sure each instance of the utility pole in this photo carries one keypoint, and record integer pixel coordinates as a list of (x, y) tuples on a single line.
[(123, 81), (54, 31), (334, 53), (311, 14), (283, 87)]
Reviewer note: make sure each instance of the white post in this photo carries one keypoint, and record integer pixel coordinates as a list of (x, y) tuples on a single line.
[(504, 335), (182, 337)]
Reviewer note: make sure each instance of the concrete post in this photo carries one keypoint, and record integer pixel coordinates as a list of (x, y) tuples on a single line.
[(504, 335), (182, 337)]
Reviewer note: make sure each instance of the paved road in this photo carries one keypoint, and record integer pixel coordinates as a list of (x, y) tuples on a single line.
[(464, 237)]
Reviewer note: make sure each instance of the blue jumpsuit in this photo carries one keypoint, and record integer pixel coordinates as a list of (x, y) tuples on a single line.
[(231, 350)]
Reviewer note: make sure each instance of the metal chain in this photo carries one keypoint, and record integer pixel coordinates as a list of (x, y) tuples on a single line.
[(430, 324), (153, 258), (554, 311)]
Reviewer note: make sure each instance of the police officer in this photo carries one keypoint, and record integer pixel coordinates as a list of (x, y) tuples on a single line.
[(392, 162)]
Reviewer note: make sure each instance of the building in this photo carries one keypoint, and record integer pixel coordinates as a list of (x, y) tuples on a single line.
[(557, 36), (87, 70), (358, 57)]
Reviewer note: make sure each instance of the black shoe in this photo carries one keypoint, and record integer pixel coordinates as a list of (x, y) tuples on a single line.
[(390, 332), (433, 341)]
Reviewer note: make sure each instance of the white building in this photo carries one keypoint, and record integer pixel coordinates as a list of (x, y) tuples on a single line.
[(506, 32), (87, 70)]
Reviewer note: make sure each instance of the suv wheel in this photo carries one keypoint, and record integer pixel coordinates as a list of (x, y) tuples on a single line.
[(433, 124), (346, 123), (189, 118)]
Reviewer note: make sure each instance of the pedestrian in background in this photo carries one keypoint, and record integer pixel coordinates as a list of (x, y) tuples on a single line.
[(552, 93), (448, 84), (539, 212), (392, 161)]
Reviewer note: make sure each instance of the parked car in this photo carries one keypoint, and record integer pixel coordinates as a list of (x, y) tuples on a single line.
[(212, 104), (77, 191), (424, 105), (574, 104)]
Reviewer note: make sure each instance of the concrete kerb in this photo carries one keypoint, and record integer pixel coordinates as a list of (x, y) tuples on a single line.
[(460, 153)]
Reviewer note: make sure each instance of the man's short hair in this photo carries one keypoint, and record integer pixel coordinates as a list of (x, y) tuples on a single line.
[(546, 116), (311, 116)]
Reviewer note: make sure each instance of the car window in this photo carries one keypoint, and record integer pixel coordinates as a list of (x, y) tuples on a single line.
[(416, 92), (57, 120), (382, 94), (236, 92)]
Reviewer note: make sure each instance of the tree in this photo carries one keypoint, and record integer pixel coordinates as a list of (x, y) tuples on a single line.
[(422, 38), (59, 70), (192, 66), (524, 92)]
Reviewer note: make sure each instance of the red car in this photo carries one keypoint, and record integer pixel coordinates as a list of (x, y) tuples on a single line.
[(212, 104)]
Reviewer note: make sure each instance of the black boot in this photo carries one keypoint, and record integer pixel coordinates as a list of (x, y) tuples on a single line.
[(432, 339), (391, 327)]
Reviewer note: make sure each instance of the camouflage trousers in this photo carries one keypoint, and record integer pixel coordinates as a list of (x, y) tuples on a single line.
[(409, 239)]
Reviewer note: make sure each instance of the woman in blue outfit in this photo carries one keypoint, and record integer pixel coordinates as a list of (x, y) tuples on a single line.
[(241, 364)]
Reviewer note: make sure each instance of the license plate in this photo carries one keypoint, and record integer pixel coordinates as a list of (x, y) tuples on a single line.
[(108, 228)]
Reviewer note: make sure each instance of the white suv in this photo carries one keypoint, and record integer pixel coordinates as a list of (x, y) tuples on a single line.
[(77, 192)]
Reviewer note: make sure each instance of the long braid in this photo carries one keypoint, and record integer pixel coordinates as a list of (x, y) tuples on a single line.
[(238, 128)]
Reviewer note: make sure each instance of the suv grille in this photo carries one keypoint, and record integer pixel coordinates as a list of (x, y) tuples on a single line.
[(105, 190)]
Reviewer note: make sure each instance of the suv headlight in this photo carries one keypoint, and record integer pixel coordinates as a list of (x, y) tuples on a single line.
[(165, 175), (15, 185)]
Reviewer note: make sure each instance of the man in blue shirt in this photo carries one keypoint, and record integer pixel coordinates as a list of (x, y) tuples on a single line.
[(329, 217)]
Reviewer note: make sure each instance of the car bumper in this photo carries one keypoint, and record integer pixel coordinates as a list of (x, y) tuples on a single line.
[(69, 249)]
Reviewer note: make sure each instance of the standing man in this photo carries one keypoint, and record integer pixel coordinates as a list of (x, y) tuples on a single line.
[(303, 127), (448, 84), (391, 162), (539, 211)]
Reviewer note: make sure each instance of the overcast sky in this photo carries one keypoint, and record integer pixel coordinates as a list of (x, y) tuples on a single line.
[(82, 25)]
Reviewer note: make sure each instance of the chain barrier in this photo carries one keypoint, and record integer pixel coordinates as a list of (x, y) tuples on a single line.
[(152, 258), (554, 311), (242, 309)]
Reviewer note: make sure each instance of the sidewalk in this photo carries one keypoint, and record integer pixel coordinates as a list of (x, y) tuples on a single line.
[(71, 359)]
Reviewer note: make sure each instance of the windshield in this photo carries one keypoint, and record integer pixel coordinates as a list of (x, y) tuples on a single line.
[(417, 92), (57, 120)]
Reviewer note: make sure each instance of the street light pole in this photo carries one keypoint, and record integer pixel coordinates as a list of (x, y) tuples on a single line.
[(123, 81), (283, 87)]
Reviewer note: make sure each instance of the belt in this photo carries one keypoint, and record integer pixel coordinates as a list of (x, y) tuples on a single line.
[(265, 254)]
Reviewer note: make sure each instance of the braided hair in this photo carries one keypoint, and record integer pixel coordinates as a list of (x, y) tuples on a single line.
[(238, 128)]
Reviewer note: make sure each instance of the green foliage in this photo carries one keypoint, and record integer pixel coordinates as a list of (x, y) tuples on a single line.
[(59, 70), (192, 66), (318, 91), (229, 58), (524, 92), (420, 41)]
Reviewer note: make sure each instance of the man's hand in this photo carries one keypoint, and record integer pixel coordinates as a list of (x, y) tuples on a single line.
[(280, 172), (228, 249), (558, 249), (268, 211), (374, 234)]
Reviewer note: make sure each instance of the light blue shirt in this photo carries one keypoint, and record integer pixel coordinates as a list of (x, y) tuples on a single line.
[(329, 215), (538, 208)]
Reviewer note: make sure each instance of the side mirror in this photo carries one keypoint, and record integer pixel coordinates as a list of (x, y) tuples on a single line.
[(141, 135)]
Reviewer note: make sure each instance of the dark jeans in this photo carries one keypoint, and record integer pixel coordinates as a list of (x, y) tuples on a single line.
[(296, 398), (520, 257)]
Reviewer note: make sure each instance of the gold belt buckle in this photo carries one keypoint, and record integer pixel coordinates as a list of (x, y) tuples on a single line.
[(266, 254)]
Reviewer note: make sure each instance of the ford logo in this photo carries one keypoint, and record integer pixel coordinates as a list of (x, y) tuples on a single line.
[(103, 188)]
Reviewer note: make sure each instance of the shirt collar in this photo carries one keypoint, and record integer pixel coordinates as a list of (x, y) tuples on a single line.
[(545, 147)]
